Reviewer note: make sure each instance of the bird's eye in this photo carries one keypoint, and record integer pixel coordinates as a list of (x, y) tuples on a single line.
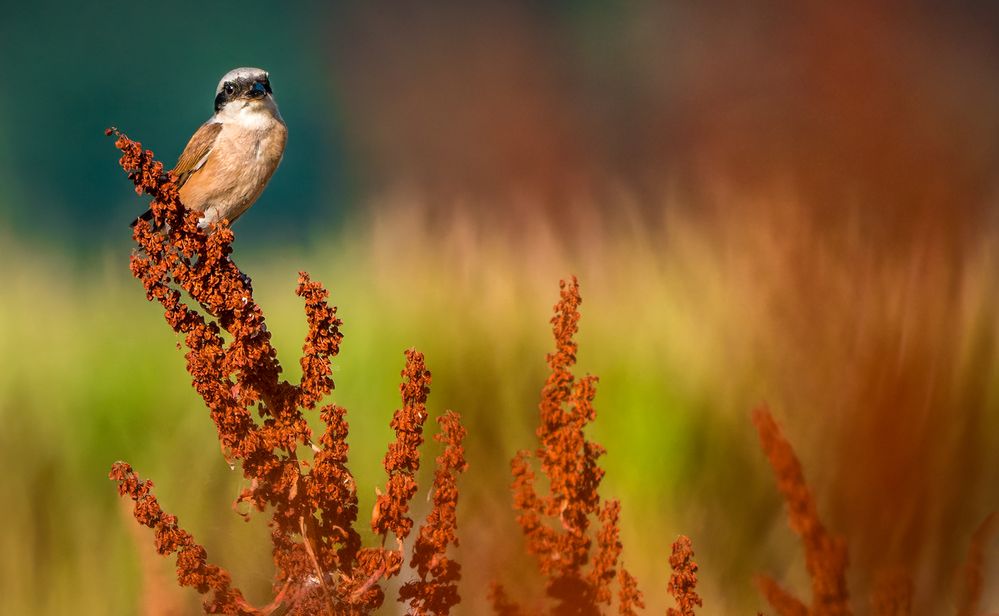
[(229, 88), (267, 86)]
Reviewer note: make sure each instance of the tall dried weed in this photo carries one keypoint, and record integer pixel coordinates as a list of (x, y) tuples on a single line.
[(321, 566), (826, 555)]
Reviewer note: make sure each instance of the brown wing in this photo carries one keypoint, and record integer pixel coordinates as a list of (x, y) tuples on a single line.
[(192, 158), (198, 148)]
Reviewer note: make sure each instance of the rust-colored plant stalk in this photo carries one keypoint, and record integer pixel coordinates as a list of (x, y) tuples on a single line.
[(825, 555), (629, 597), (783, 602), (556, 525), (321, 567), (436, 590), (683, 579), (192, 567)]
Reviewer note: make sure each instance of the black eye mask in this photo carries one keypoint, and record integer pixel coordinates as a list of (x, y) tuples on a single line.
[(220, 99), (234, 89)]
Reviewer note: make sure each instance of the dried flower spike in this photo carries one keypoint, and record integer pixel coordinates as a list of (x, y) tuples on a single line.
[(192, 568), (436, 590), (825, 555), (683, 579), (557, 525)]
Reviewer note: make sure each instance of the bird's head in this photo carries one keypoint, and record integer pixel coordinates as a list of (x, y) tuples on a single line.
[(244, 87)]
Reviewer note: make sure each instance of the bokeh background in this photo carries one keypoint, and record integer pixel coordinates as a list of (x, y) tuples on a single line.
[(791, 203)]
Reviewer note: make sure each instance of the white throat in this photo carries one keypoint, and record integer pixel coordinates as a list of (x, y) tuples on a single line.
[(250, 115)]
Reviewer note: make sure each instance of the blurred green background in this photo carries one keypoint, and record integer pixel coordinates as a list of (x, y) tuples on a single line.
[(790, 203)]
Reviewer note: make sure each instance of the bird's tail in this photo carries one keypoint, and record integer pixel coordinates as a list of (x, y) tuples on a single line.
[(147, 215)]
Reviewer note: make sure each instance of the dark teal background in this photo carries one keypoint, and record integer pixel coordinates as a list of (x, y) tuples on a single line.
[(72, 69)]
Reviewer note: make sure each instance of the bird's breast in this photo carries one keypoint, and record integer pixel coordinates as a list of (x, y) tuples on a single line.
[(246, 153)]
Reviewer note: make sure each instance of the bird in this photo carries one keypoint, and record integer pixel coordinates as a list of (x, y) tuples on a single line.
[(231, 157)]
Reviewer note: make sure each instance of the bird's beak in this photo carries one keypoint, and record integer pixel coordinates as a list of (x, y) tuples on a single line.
[(258, 90)]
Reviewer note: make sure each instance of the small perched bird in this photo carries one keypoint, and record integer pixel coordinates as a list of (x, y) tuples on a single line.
[(231, 157)]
